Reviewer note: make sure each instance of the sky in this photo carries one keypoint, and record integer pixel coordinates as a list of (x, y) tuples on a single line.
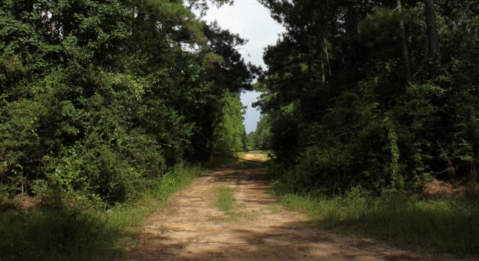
[(253, 22)]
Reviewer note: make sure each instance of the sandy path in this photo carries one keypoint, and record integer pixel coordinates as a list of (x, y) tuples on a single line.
[(191, 228)]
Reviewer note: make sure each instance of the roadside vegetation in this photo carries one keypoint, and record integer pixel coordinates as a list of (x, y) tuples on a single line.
[(367, 103), (71, 234), (443, 225), (102, 104), (364, 104)]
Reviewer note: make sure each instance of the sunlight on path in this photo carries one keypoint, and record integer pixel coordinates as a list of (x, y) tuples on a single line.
[(193, 229)]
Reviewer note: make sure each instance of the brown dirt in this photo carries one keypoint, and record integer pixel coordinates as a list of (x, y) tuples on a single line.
[(191, 228), (438, 189)]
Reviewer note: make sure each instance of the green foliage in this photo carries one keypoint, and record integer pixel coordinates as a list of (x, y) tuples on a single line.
[(85, 235), (174, 180), (261, 137), (230, 132), (97, 100), (341, 113)]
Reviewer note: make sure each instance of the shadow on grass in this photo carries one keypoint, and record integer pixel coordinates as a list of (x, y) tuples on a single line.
[(51, 235), (56, 235), (440, 225)]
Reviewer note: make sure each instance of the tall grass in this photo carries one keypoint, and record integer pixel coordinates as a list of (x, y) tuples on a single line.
[(445, 225), (48, 234)]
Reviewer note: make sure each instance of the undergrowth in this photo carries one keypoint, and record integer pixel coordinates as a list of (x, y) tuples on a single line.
[(443, 225), (69, 234)]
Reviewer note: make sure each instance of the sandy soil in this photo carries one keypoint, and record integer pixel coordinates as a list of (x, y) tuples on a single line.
[(191, 228), (256, 157)]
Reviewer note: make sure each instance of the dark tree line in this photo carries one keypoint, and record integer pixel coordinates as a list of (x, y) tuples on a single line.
[(378, 94)]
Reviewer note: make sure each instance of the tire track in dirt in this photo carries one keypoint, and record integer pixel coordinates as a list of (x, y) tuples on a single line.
[(192, 229)]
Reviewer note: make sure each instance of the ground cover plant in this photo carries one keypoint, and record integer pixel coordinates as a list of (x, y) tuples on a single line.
[(443, 224), (52, 234), (225, 201)]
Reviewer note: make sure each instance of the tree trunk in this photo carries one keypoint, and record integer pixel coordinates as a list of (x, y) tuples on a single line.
[(323, 73), (52, 27), (326, 51), (352, 32), (405, 53), (473, 173), (432, 37)]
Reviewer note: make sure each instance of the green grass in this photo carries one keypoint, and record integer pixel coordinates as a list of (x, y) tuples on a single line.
[(48, 234), (440, 225), (224, 199), (240, 154)]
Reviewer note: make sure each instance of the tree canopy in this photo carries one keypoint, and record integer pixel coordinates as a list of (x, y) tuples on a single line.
[(99, 97), (377, 94)]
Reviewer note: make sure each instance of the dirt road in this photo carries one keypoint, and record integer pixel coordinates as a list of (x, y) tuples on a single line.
[(191, 228)]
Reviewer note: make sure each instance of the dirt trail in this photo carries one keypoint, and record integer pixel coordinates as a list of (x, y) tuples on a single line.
[(191, 228)]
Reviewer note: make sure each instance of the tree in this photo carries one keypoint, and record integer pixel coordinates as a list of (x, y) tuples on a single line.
[(405, 52), (99, 98), (433, 40), (370, 124)]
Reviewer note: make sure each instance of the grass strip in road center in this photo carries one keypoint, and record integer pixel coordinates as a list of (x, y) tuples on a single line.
[(224, 199)]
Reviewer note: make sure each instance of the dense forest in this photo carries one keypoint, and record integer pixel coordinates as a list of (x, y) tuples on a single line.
[(261, 137), (108, 105), (100, 98), (373, 94)]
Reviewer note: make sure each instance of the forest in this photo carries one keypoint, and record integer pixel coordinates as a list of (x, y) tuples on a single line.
[(105, 101), (100, 97), (380, 95)]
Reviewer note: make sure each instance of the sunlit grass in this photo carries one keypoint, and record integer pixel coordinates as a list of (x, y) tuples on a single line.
[(225, 201), (443, 225)]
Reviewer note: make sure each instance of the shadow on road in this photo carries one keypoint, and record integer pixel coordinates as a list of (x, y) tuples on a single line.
[(191, 229)]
